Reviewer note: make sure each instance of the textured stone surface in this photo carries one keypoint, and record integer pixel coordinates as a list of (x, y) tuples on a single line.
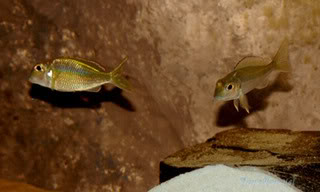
[(79, 141), (201, 41), (293, 156), (113, 141), (10, 186)]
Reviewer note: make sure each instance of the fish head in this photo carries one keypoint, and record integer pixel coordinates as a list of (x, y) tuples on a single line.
[(227, 88), (41, 75)]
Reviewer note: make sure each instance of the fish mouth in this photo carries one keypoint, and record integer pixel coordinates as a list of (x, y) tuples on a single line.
[(30, 79), (223, 98), (34, 80), (219, 98)]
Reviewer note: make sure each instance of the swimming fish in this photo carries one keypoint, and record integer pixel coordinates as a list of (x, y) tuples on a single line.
[(74, 74), (250, 73)]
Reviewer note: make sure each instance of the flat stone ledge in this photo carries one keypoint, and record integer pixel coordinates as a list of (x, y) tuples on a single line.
[(292, 156)]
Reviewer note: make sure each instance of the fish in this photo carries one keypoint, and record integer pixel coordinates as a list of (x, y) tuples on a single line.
[(251, 72), (76, 74)]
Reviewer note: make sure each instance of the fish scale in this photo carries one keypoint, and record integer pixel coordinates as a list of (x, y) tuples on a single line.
[(74, 74), (250, 73)]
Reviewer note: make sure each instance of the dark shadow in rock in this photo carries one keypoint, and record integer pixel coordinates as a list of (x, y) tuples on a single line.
[(81, 99), (228, 115)]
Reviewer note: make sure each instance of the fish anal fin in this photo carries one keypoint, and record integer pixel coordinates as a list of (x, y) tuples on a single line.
[(251, 61), (263, 85), (95, 89), (244, 102)]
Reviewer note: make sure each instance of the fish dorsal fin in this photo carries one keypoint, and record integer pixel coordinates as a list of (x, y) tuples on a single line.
[(90, 64), (251, 61)]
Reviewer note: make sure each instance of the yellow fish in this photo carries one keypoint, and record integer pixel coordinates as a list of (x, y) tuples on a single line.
[(70, 75), (248, 74)]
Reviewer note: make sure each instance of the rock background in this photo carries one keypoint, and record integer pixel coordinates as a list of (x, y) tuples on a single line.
[(114, 141)]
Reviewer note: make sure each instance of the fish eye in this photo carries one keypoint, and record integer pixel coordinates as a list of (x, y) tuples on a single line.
[(38, 68), (229, 87)]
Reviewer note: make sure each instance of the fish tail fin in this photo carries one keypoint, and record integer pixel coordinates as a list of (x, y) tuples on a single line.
[(117, 79), (281, 59)]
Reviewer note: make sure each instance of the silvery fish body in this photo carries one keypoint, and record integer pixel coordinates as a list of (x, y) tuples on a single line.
[(250, 73), (69, 75)]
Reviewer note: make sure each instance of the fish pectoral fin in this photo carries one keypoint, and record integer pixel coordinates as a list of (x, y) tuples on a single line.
[(263, 85), (236, 104), (244, 102), (95, 89), (251, 61)]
